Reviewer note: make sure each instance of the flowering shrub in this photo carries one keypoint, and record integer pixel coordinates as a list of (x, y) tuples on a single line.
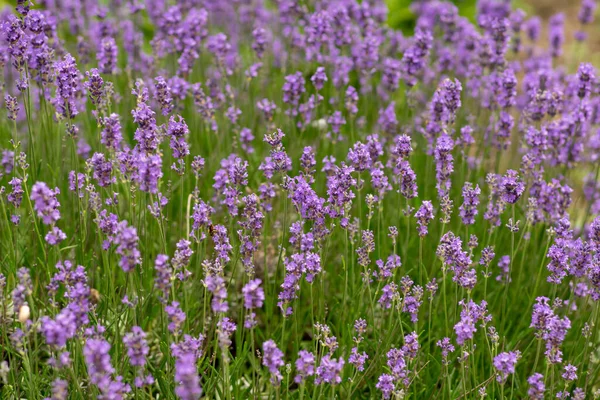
[(289, 199)]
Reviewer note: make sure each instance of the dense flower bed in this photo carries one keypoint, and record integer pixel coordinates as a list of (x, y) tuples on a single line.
[(288, 199)]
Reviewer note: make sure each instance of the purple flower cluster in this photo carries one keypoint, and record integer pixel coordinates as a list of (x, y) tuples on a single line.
[(505, 364), (207, 242), (273, 360), (549, 327)]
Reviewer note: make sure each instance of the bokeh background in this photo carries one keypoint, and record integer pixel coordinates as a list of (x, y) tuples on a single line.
[(401, 17)]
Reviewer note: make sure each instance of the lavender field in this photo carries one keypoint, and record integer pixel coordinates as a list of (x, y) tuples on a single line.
[(285, 199)]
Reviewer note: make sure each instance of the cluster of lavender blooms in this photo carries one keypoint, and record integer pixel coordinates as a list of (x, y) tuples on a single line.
[(293, 199)]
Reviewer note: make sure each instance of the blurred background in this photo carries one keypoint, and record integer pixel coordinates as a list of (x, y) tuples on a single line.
[(401, 17)]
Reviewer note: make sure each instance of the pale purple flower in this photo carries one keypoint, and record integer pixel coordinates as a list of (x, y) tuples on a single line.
[(505, 363), (254, 295), (424, 215), (329, 370), (225, 328), (386, 383), (107, 56), (358, 359), (45, 203), (305, 365), (176, 317), (186, 378), (273, 360), (137, 346), (59, 390), (570, 373), (536, 387)]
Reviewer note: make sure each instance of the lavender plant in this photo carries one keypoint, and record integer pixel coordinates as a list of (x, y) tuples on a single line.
[(286, 199)]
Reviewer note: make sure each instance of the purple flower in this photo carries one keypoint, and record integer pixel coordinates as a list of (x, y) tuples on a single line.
[(163, 95), (504, 265), (233, 114), (149, 172), (102, 169), (389, 294), (76, 182), (556, 34), (305, 365), (254, 295), (68, 87), (358, 359), (12, 107), (457, 260), (386, 270), (8, 161), (512, 187), (414, 58), (329, 370), (587, 11), (58, 330), (468, 210), (83, 147), (397, 363), (55, 236), (586, 78), (508, 89), (259, 42), (558, 254), (368, 241), (59, 390), (111, 135), (533, 27), (23, 289), (449, 96), (95, 87), (570, 373), (411, 345), (107, 56), (100, 370), (505, 364), (189, 345), (137, 346), (273, 360), (550, 328), (536, 387), (594, 231), (470, 314), (424, 215), (385, 383), (186, 377), (267, 107), (413, 298), (222, 246), (387, 119), (447, 348), (126, 240), (293, 89), (147, 132), (181, 259), (45, 203), (178, 131), (225, 328), (216, 285), (444, 166), (307, 160), (391, 74), (351, 100), (176, 317), (201, 218), (336, 120), (319, 78)]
